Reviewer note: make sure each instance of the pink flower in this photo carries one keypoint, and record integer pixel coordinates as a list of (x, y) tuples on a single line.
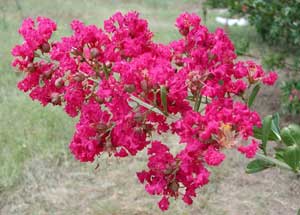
[(270, 79), (164, 203), (249, 150), (185, 21), (213, 157)]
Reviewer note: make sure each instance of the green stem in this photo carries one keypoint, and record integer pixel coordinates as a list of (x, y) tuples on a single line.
[(106, 72), (146, 105), (198, 102)]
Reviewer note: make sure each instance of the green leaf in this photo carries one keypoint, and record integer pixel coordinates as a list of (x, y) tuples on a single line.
[(257, 133), (275, 126), (253, 95), (279, 153), (163, 96), (274, 133), (291, 135), (257, 166), (274, 161), (291, 157), (266, 128)]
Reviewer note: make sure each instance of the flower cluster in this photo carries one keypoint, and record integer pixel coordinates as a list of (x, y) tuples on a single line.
[(128, 88)]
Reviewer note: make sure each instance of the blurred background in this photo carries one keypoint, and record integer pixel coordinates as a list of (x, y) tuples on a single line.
[(38, 175)]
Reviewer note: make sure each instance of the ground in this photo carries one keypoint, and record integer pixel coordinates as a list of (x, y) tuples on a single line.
[(39, 176)]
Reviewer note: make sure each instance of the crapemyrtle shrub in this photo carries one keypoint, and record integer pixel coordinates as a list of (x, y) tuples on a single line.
[(277, 21), (127, 89)]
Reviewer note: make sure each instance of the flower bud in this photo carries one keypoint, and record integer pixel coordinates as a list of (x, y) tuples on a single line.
[(138, 117), (178, 61), (108, 64), (184, 31), (76, 52), (101, 127), (156, 86), (99, 100), (94, 53), (56, 99), (45, 47), (168, 171), (48, 74), (30, 68), (129, 88), (79, 77), (144, 85), (59, 83), (174, 186), (138, 130)]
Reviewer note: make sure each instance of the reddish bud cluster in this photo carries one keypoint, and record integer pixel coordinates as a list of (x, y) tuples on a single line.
[(126, 88)]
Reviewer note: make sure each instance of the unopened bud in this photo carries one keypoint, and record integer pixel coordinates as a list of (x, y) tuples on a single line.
[(144, 85), (76, 52), (156, 86), (138, 130), (30, 68), (211, 56), (174, 186), (55, 99), (210, 76), (129, 88), (94, 53), (251, 80), (168, 171), (184, 31), (101, 127), (45, 47), (79, 77), (138, 117), (178, 61), (99, 100), (59, 83), (48, 74), (108, 64)]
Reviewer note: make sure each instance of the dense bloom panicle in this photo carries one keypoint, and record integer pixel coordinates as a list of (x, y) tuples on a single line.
[(127, 89)]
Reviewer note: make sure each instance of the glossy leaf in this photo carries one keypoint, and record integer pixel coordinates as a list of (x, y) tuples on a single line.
[(266, 128), (257, 166), (274, 161), (291, 135), (253, 95), (291, 156), (279, 154), (257, 133), (275, 126)]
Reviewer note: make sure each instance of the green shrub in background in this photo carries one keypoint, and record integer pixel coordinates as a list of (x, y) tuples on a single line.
[(291, 96), (277, 21), (217, 3)]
